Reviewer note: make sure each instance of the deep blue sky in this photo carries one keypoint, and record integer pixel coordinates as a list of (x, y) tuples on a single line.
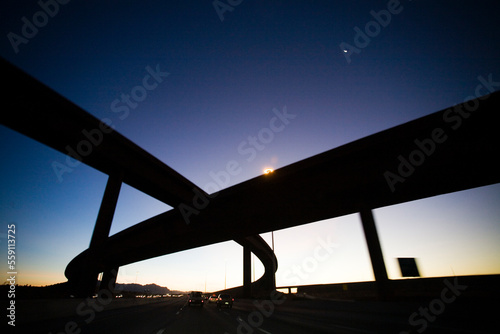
[(225, 78)]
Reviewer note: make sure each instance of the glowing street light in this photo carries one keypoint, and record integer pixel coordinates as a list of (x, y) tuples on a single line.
[(268, 170)]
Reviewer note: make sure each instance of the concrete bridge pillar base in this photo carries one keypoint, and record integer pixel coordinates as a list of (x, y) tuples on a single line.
[(375, 250), (108, 281), (247, 272)]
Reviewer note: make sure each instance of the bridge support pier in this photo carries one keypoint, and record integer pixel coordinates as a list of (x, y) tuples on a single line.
[(84, 285), (375, 250), (247, 272), (267, 283), (107, 210), (109, 279), (101, 233)]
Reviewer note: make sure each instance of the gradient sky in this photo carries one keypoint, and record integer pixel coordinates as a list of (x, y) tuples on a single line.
[(225, 78)]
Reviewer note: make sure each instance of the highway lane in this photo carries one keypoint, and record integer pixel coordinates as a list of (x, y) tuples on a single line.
[(243, 318), (275, 316), (327, 316), (119, 316), (173, 315)]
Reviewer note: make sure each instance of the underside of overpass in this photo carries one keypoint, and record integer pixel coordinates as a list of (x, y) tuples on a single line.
[(45, 116), (430, 156)]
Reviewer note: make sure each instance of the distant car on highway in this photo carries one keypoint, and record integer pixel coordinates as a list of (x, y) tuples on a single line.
[(225, 300), (196, 298), (212, 298)]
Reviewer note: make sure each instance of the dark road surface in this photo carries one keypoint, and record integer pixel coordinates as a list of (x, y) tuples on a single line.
[(173, 316)]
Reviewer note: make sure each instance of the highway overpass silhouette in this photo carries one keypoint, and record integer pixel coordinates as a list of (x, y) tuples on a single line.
[(450, 150)]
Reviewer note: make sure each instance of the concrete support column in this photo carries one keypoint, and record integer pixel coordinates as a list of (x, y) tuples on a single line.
[(375, 250), (107, 210), (85, 285), (109, 279), (101, 233), (247, 272)]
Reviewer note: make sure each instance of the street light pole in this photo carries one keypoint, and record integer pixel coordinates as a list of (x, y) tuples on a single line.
[(272, 237)]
